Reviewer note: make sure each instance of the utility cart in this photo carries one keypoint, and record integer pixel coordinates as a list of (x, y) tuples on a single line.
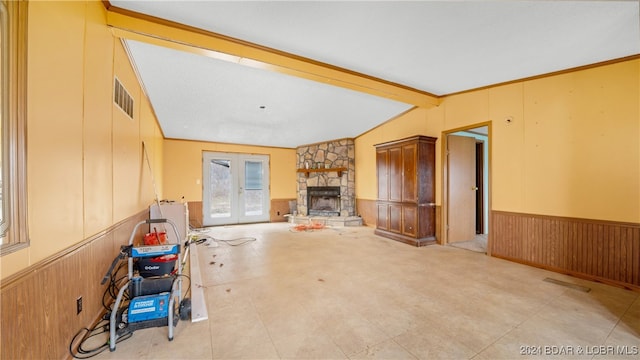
[(147, 297)]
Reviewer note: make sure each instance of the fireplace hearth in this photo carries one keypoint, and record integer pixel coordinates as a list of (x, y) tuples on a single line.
[(323, 200)]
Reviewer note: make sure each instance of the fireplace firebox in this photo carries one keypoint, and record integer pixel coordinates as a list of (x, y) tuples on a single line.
[(323, 200)]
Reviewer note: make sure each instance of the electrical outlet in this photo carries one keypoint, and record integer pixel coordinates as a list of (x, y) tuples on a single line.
[(278, 212), (79, 305)]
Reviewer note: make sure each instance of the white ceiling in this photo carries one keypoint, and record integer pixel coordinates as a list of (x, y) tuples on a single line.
[(439, 47)]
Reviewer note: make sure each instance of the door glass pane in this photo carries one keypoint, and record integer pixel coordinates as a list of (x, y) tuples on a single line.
[(221, 187), (253, 188)]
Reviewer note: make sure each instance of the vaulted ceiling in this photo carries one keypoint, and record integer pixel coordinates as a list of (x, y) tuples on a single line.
[(288, 73)]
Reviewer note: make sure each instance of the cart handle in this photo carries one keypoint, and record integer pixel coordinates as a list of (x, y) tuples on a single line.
[(155, 221)]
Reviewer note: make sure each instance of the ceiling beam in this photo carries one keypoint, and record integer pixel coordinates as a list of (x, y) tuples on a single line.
[(135, 26)]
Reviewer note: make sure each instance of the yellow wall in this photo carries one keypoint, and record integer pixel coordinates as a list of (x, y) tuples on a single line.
[(571, 150), (84, 157), (580, 144), (412, 122), (183, 168)]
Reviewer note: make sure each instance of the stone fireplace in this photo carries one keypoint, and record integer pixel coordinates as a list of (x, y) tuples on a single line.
[(323, 200), (320, 167)]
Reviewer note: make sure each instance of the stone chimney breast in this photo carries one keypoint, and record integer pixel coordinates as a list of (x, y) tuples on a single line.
[(325, 157)]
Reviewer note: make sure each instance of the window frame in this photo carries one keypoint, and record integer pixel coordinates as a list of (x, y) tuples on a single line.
[(13, 230)]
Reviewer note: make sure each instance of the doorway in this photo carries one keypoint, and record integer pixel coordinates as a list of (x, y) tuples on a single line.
[(466, 210), (235, 188)]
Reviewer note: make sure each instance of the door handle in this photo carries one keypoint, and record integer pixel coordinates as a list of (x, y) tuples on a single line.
[(474, 188)]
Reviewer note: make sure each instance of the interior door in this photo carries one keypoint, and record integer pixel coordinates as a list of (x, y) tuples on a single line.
[(235, 188), (461, 217)]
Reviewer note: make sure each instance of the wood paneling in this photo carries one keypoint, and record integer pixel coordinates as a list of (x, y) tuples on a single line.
[(597, 250), (367, 210), (279, 208), (38, 304), (195, 213), (277, 205)]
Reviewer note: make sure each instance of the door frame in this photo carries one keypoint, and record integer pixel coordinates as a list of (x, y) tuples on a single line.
[(237, 174), (480, 198), (445, 181)]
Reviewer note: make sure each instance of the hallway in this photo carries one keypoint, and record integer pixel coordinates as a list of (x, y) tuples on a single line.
[(342, 293)]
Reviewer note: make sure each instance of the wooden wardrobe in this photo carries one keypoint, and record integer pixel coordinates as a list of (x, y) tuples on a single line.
[(406, 190)]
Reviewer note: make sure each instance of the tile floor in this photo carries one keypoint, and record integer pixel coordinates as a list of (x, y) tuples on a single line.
[(346, 293), (478, 244)]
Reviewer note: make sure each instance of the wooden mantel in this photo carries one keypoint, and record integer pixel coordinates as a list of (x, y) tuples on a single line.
[(307, 171)]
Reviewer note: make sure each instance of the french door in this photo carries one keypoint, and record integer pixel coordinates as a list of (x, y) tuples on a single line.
[(235, 188)]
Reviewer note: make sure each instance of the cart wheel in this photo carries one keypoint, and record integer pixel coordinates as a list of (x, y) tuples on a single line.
[(112, 350), (185, 309), (171, 338)]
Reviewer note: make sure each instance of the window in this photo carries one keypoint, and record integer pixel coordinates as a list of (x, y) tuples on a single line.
[(13, 214)]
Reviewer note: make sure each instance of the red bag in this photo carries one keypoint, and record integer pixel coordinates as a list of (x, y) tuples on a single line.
[(155, 238)]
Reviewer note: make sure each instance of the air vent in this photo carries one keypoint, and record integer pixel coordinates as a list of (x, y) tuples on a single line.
[(122, 98)]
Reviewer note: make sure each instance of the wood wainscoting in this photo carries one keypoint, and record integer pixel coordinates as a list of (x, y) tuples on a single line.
[(368, 211), (195, 213), (597, 250), (38, 304), (279, 207)]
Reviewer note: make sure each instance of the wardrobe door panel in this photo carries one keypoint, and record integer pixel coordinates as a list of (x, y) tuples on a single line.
[(382, 166), (395, 174), (410, 221), (395, 218), (409, 183)]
